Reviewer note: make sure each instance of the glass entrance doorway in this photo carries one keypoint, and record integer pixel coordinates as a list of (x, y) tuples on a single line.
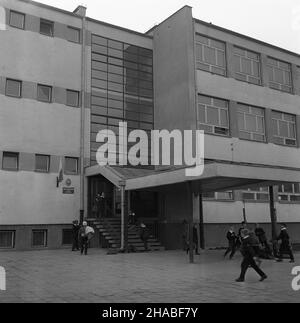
[(101, 198)]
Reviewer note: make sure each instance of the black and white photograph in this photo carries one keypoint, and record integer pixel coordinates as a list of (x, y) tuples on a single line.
[(149, 154)]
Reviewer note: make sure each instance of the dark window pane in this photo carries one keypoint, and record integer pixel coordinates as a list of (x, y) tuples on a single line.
[(7, 239), (39, 238), (67, 236), (46, 28)]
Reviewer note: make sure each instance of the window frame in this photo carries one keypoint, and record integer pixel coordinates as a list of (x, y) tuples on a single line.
[(78, 98), (79, 34), (206, 124), (62, 237), (50, 94), (280, 85), (250, 112), (10, 154), (45, 231), (48, 22), (289, 195), (248, 76), (77, 166), (278, 128), (218, 198), (255, 192), (48, 164), (210, 65), (20, 88), (18, 13), (13, 239)]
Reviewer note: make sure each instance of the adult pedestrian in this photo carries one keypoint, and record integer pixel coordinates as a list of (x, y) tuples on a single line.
[(231, 237), (85, 234), (285, 246), (75, 230), (248, 257)]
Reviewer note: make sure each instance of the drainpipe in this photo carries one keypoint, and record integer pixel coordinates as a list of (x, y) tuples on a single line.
[(81, 12)]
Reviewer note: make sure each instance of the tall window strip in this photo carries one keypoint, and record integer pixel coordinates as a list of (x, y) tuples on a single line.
[(122, 87), (210, 55), (247, 66), (280, 75), (289, 192), (251, 123), (284, 128), (259, 194), (212, 115)]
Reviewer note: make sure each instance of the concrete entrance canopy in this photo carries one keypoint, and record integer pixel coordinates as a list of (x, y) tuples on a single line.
[(217, 176)]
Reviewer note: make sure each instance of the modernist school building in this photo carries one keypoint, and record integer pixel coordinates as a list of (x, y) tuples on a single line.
[(64, 77)]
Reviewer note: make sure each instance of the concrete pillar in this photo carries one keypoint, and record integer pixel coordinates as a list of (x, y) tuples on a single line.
[(201, 224), (296, 79), (273, 213), (230, 60), (264, 70), (234, 129), (190, 217)]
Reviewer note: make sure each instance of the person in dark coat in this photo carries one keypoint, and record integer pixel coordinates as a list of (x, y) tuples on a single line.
[(261, 235), (285, 246), (239, 236), (248, 257), (75, 230), (195, 240), (144, 235), (231, 237)]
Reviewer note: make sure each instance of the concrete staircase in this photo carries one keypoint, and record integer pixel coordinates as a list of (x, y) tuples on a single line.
[(110, 230)]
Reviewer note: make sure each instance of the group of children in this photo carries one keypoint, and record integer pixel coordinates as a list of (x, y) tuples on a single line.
[(254, 245)]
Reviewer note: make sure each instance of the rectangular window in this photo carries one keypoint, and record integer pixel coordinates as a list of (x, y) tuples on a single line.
[(251, 122), (39, 238), (73, 34), (260, 194), (210, 55), (212, 115), (289, 192), (67, 236), (72, 98), (284, 128), (47, 27), (280, 75), (44, 93), (247, 66), (13, 88), (223, 196), (10, 161), (17, 19), (7, 239), (71, 165), (42, 163)]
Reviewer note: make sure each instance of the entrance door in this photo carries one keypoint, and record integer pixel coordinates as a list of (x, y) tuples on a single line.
[(100, 197)]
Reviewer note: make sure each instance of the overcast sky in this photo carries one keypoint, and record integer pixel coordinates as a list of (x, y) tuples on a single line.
[(273, 21)]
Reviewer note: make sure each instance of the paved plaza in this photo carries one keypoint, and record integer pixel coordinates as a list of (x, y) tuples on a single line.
[(67, 277)]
